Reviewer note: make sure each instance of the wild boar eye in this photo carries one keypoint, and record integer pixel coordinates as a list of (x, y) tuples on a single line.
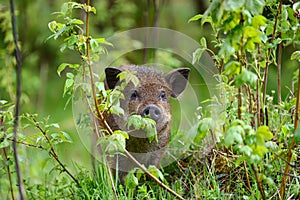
[(134, 95), (163, 95)]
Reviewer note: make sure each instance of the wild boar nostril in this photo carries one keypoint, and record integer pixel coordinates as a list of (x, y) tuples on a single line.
[(153, 112)]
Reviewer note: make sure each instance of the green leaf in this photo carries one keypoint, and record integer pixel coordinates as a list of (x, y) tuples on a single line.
[(131, 181), (246, 150), (125, 134), (103, 41), (247, 77), (195, 18), (156, 172), (68, 84), (4, 143), (2, 102), (264, 131), (61, 68), (234, 134), (70, 75), (136, 121), (255, 6), (128, 76), (203, 42), (297, 135), (76, 21), (113, 144), (150, 128), (203, 127), (295, 56), (197, 54), (233, 5), (258, 21), (232, 68)]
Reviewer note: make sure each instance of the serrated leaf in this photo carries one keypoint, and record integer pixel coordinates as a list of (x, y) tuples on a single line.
[(136, 121), (234, 134), (113, 144)]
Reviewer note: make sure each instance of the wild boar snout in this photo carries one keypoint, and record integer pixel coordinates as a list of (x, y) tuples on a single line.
[(152, 111)]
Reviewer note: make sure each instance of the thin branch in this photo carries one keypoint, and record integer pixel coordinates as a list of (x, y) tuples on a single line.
[(18, 97), (52, 151), (269, 53), (151, 176), (292, 146), (9, 175), (99, 114), (259, 183), (2, 128)]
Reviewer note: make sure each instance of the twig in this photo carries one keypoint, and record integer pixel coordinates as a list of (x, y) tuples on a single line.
[(2, 128), (259, 184), (9, 175), (99, 114), (18, 97), (279, 69), (151, 176), (269, 53), (258, 93), (52, 151), (292, 146)]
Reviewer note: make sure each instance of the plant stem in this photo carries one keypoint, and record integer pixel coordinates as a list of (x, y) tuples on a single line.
[(99, 114), (151, 176), (258, 181), (18, 97), (293, 144), (9, 175), (2, 128), (52, 151), (265, 81)]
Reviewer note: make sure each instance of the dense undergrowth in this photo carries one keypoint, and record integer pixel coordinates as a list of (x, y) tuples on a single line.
[(255, 133)]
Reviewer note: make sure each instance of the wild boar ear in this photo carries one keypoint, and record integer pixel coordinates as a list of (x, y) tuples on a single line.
[(177, 80), (112, 78)]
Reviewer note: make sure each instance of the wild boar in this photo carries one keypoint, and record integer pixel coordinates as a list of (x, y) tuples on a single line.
[(150, 98)]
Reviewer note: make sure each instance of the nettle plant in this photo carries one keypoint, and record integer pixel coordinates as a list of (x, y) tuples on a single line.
[(249, 37)]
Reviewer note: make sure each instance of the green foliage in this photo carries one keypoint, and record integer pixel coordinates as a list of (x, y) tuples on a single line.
[(145, 123), (247, 36), (253, 132)]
